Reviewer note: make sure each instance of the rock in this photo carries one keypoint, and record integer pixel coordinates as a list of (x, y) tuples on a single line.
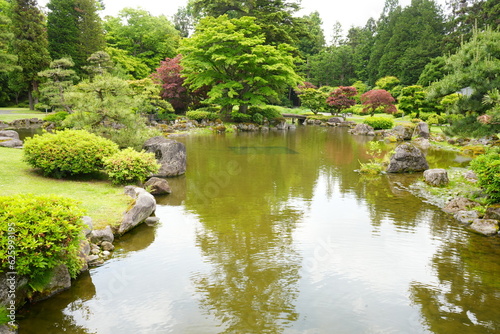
[(336, 120), (470, 176), (169, 153), (145, 205), (12, 282), (94, 249), (107, 246), (94, 260), (436, 177), (492, 213), (98, 236), (402, 132), (485, 226), (459, 204), (12, 143), (466, 217), (87, 221), (247, 127), (157, 186), (84, 254), (407, 158), (106, 254), (9, 134), (151, 221), (422, 143), (422, 130), (291, 127), (281, 125), (61, 280), (363, 129)]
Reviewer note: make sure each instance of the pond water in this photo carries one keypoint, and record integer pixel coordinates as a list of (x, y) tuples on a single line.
[(276, 233)]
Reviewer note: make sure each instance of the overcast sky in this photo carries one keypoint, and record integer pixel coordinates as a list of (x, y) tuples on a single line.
[(348, 13)]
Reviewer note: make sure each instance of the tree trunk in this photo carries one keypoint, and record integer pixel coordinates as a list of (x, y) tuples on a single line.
[(243, 108), (226, 113)]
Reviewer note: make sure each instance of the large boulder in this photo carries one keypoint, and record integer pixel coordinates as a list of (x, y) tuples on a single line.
[(459, 204), (363, 129), (98, 236), (157, 186), (10, 138), (145, 205), (402, 132), (422, 130), (170, 154), (60, 281), (407, 158), (492, 212), (436, 177), (487, 227)]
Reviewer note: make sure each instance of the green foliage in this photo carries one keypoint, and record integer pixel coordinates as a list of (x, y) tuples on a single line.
[(378, 158), (57, 118), (435, 119), (241, 118), (468, 126), (46, 232), (200, 114), (67, 152), (59, 78), (379, 122), (487, 169), (129, 166), (269, 112), (412, 100), (313, 99), (230, 57)]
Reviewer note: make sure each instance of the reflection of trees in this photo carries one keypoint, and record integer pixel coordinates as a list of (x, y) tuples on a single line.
[(468, 295)]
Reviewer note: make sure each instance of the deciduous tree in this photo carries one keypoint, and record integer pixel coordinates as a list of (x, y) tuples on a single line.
[(342, 98), (378, 98)]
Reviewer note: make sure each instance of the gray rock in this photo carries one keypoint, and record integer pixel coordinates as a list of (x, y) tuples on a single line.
[(492, 213), (170, 154), (470, 176), (436, 177), (94, 249), (157, 186), (6, 287), (87, 221), (106, 254), (84, 254), (336, 120), (12, 143), (98, 236), (459, 204), (363, 129), (487, 227), (466, 217), (422, 130), (422, 143), (61, 280), (9, 134), (402, 132), (151, 221), (145, 205), (407, 158), (107, 246)]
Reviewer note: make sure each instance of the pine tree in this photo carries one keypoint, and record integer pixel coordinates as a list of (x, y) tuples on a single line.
[(30, 44)]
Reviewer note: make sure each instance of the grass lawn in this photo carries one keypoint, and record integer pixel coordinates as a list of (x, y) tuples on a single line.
[(12, 114), (103, 202)]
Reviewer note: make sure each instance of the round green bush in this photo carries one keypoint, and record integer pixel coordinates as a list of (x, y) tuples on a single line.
[(241, 118), (200, 114), (68, 152), (41, 232), (379, 122), (487, 169), (130, 166)]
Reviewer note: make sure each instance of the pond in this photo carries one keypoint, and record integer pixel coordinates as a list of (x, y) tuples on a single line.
[(276, 233)]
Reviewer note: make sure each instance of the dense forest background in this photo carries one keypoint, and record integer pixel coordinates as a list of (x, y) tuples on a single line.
[(46, 53)]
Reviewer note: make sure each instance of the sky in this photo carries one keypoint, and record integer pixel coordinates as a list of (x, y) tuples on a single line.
[(348, 13)]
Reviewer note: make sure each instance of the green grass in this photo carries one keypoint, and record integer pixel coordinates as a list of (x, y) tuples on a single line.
[(20, 113), (103, 202)]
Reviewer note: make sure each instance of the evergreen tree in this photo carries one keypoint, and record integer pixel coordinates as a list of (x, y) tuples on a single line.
[(360, 40), (7, 59), (30, 44), (60, 77)]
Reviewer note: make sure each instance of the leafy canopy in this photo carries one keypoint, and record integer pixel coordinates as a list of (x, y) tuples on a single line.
[(230, 56)]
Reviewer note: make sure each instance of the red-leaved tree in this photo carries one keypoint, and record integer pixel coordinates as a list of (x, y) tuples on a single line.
[(169, 75), (374, 99), (342, 98)]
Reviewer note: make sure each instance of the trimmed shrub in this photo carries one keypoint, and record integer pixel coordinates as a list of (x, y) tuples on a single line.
[(487, 169), (68, 152), (241, 118), (42, 232), (379, 123), (201, 114), (130, 166), (268, 112), (57, 118)]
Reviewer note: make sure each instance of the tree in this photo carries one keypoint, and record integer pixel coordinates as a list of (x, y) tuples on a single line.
[(342, 98), (360, 40), (60, 78), (314, 99), (314, 41), (100, 64), (30, 44), (173, 89), (230, 56), (412, 99), (7, 59), (148, 38), (183, 21), (333, 67), (433, 71), (378, 98)]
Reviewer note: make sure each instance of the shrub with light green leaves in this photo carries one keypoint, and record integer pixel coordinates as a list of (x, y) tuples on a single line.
[(130, 166), (199, 115), (40, 233), (379, 123), (68, 152), (487, 169)]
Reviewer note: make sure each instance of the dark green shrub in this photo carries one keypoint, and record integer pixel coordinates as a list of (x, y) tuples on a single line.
[(379, 123), (241, 118), (469, 127), (130, 166), (268, 112), (487, 169), (42, 231), (200, 114), (68, 152), (257, 118)]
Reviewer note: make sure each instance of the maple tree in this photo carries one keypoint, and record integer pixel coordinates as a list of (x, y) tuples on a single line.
[(378, 98), (342, 98)]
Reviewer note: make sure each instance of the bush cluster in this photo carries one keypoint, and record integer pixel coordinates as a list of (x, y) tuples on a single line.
[(68, 152), (42, 232), (130, 166), (379, 123), (201, 114), (487, 169), (268, 112), (241, 118)]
